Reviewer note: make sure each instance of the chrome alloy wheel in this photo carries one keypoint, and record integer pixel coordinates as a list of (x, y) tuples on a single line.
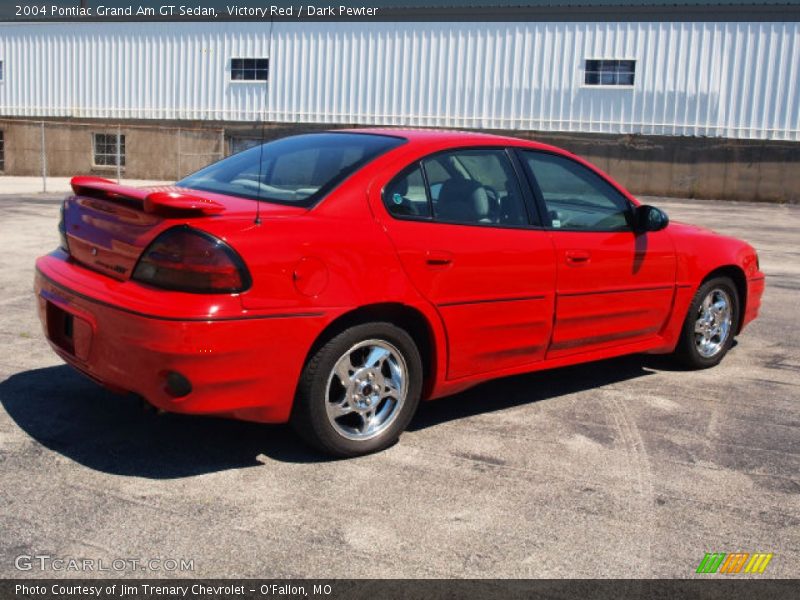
[(366, 390), (713, 324)]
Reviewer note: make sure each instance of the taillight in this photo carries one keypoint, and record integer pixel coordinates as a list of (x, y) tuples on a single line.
[(62, 228), (189, 260)]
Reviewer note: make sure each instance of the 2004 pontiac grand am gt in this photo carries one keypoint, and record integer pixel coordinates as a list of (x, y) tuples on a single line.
[(334, 279)]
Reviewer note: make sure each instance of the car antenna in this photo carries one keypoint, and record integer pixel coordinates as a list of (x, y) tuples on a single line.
[(263, 126)]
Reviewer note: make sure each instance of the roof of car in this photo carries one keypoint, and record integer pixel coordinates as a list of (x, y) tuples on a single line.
[(441, 135)]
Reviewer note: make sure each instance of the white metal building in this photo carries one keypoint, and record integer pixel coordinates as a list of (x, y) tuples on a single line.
[(718, 79), (693, 98)]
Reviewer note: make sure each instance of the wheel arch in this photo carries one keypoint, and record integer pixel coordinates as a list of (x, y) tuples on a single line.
[(407, 317), (735, 274)]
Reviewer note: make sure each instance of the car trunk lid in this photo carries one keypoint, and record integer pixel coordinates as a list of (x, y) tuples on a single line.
[(108, 225)]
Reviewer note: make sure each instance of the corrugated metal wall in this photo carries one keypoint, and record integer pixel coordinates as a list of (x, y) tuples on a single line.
[(737, 80)]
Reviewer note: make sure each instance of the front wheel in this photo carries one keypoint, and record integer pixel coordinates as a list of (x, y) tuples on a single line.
[(710, 324), (359, 391)]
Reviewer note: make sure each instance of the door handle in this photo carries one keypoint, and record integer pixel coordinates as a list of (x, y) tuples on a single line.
[(438, 258), (577, 257)]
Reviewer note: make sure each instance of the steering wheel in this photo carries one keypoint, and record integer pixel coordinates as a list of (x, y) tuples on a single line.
[(494, 203)]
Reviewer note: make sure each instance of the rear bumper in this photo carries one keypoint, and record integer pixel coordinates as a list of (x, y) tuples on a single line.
[(243, 367), (755, 291)]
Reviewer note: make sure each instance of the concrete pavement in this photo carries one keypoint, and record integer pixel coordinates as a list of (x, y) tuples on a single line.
[(623, 468)]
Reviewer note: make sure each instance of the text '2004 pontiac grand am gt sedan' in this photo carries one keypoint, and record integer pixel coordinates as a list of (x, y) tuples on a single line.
[(333, 280)]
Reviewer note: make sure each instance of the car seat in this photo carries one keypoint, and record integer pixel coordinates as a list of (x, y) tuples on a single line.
[(463, 200)]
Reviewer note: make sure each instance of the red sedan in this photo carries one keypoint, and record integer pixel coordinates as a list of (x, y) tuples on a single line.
[(335, 279)]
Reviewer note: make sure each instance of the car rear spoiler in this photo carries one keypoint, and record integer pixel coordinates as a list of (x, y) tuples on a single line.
[(167, 200)]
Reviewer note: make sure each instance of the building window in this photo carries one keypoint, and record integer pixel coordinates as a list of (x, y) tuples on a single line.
[(609, 72), (2, 150), (105, 149), (249, 69)]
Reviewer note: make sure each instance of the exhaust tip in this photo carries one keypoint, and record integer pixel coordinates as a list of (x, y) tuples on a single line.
[(177, 385)]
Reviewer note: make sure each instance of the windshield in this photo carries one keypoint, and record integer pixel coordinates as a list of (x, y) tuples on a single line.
[(297, 170)]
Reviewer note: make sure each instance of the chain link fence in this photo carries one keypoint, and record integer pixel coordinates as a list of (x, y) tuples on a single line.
[(116, 151)]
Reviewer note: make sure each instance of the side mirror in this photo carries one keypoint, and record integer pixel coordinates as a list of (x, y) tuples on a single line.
[(649, 218)]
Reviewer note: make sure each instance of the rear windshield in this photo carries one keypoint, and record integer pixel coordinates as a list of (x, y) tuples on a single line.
[(297, 170)]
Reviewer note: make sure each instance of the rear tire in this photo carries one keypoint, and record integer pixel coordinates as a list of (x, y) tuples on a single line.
[(359, 391), (710, 325)]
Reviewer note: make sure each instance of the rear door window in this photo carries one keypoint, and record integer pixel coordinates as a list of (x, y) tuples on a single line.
[(476, 186), (406, 196)]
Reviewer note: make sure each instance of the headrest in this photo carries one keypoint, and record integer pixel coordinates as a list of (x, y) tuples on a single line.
[(464, 200)]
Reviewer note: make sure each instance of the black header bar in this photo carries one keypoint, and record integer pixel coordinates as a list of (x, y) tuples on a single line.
[(382, 10), (709, 587)]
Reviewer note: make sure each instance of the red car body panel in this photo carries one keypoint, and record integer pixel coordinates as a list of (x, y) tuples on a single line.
[(555, 298)]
